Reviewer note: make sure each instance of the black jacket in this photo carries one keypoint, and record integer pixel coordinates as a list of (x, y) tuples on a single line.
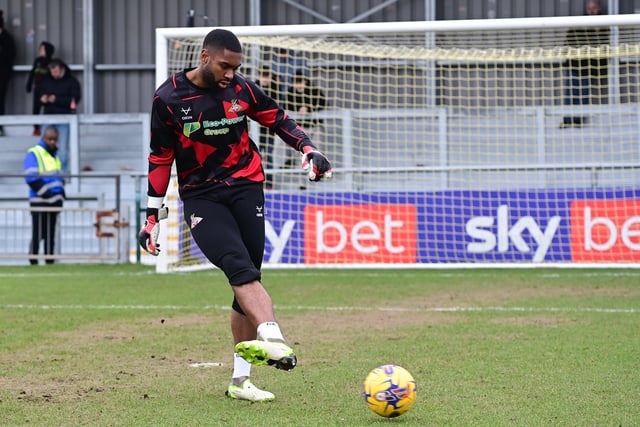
[(65, 89), (40, 68), (7, 54), (594, 37), (205, 130), (311, 97)]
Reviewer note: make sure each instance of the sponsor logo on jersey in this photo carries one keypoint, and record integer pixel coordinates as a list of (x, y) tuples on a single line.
[(189, 128), (185, 113)]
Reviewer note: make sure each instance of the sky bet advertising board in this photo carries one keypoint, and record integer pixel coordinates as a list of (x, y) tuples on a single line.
[(454, 226)]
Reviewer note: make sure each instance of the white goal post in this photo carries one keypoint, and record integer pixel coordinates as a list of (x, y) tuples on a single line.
[(474, 143)]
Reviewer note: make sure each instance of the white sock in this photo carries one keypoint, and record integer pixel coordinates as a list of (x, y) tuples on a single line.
[(241, 368), (270, 331)]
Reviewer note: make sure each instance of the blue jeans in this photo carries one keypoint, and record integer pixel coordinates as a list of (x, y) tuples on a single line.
[(576, 92)]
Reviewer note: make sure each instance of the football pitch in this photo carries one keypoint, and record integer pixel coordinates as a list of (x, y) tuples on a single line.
[(118, 345)]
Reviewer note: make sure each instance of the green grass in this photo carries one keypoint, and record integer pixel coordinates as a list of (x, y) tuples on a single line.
[(111, 346)]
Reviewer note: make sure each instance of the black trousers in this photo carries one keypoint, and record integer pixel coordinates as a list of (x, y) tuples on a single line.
[(37, 107), (228, 227), (43, 227), (4, 87)]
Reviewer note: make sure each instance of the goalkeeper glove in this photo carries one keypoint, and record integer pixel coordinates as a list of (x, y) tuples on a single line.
[(148, 236), (316, 164)]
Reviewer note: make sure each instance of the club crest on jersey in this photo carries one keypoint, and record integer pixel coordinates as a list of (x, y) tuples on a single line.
[(195, 220), (189, 128), (235, 106)]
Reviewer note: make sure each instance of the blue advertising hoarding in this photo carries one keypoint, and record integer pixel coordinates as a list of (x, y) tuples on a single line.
[(449, 226)]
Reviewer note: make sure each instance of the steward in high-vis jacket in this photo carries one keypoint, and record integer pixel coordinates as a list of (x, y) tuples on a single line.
[(43, 174)]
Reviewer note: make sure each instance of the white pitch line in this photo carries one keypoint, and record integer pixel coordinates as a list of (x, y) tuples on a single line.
[(44, 273), (337, 308), (206, 364), (477, 273)]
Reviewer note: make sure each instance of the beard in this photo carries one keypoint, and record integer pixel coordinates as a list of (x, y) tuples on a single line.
[(210, 79)]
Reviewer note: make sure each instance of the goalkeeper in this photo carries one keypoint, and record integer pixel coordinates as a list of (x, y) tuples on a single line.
[(199, 120)]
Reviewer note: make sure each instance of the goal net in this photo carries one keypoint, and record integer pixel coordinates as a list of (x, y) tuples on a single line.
[(454, 143)]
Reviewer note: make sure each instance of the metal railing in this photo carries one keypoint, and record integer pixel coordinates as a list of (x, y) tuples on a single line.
[(92, 228)]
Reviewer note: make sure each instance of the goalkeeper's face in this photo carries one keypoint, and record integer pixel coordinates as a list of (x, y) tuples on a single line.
[(219, 67)]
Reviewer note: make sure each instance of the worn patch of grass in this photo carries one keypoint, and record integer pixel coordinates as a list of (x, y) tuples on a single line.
[(112, 345)]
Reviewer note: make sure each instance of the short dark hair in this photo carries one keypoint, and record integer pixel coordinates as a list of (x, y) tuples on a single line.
[(301, 76), (51, 127), (57, 62), (265, 71), (220, 39)]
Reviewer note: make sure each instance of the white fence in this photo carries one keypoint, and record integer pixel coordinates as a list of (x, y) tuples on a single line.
[(90, 228)]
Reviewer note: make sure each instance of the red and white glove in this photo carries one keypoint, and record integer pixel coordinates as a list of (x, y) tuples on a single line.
[(148, 236), (316, 164)]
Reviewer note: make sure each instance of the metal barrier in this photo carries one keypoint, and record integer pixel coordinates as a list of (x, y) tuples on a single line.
[(90, 228)]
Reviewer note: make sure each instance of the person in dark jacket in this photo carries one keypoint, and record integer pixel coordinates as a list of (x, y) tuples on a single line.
[(269, 82), (7, 56), (42, 171), (305, 99), (59, 94), (586, 77), (38, 73)]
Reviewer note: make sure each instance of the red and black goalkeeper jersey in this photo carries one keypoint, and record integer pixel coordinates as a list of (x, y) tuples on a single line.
[(206, 132)]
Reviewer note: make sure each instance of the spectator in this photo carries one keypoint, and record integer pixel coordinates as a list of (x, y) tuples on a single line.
[(59, 94), (285, 63), (585, 75), (304, 99), (38, 73), (270, 83), (42, 171), (7, 56)]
